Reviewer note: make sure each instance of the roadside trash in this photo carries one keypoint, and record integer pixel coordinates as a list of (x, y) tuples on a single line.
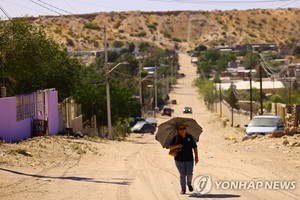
[(230, 138)]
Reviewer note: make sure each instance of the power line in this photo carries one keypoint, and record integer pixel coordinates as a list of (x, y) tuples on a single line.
[(226, 1), (5, 13), (45, 7), (54, 7), (21, 6), (71, 6)]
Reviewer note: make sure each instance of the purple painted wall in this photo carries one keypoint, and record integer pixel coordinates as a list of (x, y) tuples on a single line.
[(53, 122), (12, 130)]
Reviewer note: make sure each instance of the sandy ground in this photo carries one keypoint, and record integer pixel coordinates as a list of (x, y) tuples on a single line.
[(139, 168)]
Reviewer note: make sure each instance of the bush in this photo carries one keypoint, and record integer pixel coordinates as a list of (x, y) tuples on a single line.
[(91, 25), (122, 129), (176, 40), (142, 34), (151, 26), (118, 44)]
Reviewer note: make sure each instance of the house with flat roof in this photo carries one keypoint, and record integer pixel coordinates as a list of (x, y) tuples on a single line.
[(268, 86)]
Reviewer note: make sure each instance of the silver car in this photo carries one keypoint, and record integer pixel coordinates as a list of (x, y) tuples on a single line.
[(264, 124), (143, 127)]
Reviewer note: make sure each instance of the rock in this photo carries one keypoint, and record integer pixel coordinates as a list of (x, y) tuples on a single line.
[(253, 136), (24, 152), (295, 144), (291, 131), (285, 142), (278, 134)]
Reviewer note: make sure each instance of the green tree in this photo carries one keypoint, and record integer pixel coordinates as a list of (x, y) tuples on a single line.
[(32, 61), (91, 94), (232, 97), (297, 50), (131, 47), (223, 61), (251, 60), (207, 90), (117, 44), (204, 68), (200, 48)]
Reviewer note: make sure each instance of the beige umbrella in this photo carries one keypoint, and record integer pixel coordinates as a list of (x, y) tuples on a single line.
[(168, 130)]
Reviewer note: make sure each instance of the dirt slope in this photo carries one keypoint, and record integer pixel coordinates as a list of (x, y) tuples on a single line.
[(184, 28)]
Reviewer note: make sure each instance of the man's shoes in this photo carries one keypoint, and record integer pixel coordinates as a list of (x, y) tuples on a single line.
[(182, 192), (190, 188)]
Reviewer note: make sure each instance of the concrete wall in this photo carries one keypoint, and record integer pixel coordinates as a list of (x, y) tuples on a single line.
[(13, 130), (240, 118), (52, 110)]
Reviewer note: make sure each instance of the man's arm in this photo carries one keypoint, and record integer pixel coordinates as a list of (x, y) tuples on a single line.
[(177, 146), (196, 155)]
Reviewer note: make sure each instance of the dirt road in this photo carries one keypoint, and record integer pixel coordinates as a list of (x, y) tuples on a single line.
[(139, 168)]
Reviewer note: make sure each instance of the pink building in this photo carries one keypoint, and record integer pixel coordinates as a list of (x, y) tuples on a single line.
[(18, 113)]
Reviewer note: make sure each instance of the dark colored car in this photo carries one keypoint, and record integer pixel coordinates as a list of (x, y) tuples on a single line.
[(135, 120), (143, 127), (187, 110), (167, 111)]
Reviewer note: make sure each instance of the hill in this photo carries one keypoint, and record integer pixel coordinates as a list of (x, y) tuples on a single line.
[(184, 28)]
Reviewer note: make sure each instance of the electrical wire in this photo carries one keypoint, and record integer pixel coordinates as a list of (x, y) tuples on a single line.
[(55, 7), (226, 1), (45, 7), (5, 13), (21, 6), (71, 6)]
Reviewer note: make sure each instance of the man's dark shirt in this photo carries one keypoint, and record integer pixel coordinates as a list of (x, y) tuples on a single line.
[(186, 152)]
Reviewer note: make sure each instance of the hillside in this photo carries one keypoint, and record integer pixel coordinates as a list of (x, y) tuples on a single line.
[(186, 28)]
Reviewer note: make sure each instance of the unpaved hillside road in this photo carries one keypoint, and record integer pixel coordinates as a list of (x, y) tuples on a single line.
[(140, 169)]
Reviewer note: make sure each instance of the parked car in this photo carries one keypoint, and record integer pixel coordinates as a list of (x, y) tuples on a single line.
[(152, 120), (143, 127), (135, 120), (187, 110), (173, 101), (167, 111), (264, 124)]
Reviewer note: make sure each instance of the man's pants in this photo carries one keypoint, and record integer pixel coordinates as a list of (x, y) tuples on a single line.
[(186, 173)]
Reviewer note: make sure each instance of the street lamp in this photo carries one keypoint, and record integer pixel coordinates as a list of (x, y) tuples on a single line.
[(140, 90), (108, 98)]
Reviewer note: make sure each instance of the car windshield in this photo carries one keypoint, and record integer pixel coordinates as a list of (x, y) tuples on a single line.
[(263, 122)]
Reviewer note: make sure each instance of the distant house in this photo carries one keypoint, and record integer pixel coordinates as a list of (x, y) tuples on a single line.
[(263, 47), (268, 86), (260, 47)]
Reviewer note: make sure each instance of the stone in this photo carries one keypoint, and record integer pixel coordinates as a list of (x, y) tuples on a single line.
[(285, 142), (278, 134)]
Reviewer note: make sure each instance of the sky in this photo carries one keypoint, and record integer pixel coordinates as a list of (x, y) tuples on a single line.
[(20, 8)]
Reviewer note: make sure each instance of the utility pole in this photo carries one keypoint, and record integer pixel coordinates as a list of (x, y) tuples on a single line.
[(290, 87), (220, 91), (155, 77), (140, 86), (261, 91), (250, 79), (109, 128)]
